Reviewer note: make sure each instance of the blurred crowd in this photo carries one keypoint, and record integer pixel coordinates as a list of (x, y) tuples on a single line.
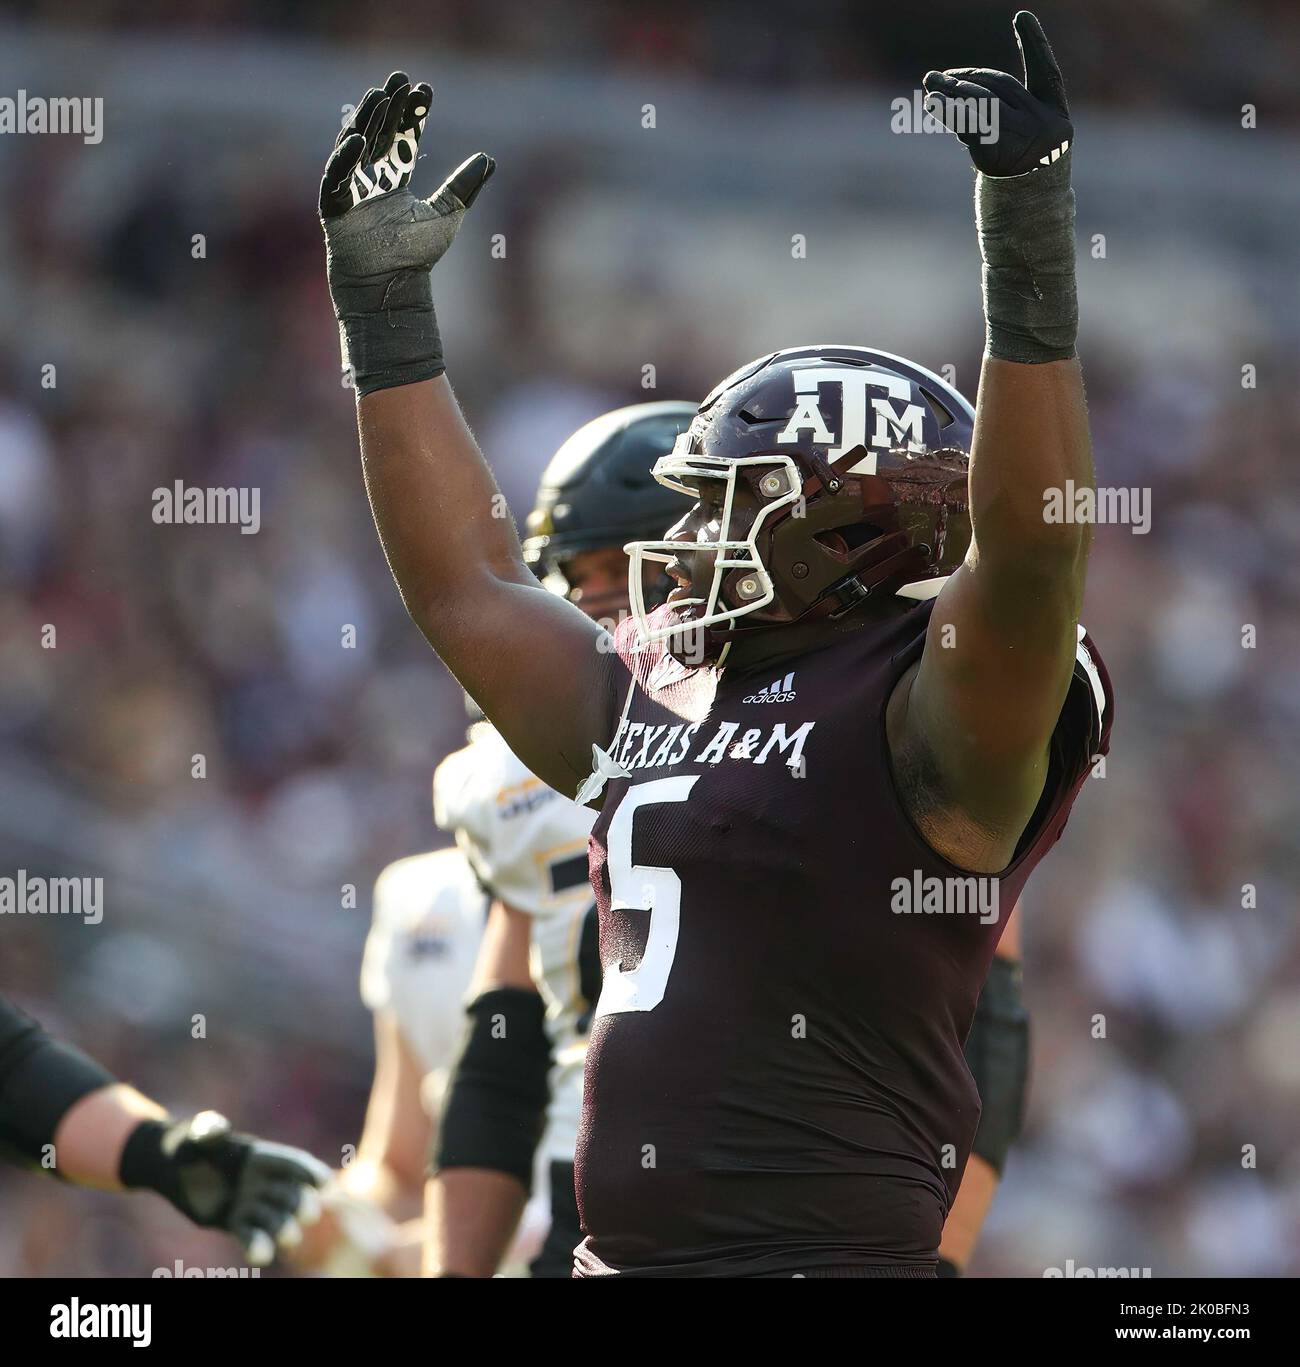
[(1161, 946), (1201, 56)]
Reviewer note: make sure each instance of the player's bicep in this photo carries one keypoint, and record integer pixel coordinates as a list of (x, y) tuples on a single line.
[(545, 675), (994, 673)]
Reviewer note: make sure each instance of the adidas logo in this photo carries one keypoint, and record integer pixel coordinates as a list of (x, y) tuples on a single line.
[(779, 690), (1055, 154)]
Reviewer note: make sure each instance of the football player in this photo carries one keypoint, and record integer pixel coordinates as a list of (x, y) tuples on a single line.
[(63, 1113), (827, 765), (427, 922), (538, 975), (528, 845)]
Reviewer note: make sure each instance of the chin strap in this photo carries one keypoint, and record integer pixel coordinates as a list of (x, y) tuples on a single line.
[(843, 597), (850, 592)]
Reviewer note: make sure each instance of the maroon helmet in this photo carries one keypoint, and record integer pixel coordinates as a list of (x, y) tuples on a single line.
[(857, 465)]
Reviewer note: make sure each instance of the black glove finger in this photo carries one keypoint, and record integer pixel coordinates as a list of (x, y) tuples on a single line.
[(267, 1214), (373, 129), (418, 104), (967, 73), (367, 105), (947, 88), (335, 185), (379, 155), (259, 1246), (393, 120), (386, 171), (999, 83), (463, 185), (949, 84), (360, 115), (1042, 74), (281, 1162), (275, 1194), (401, 156)]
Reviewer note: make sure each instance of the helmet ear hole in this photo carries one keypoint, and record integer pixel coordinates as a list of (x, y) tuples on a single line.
[(942, 414), (850, 538)]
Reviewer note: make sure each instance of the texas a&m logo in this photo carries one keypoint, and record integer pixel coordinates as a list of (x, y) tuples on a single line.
[(896, 421)]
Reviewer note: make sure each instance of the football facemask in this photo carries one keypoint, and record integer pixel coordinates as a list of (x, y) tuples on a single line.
[(776, 479)]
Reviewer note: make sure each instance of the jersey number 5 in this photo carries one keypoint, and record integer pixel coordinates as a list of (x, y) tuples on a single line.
[(643, 887)]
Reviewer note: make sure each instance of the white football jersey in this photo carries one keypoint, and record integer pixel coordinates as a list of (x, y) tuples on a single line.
[(528, 844), (429, 913), (424, 937)]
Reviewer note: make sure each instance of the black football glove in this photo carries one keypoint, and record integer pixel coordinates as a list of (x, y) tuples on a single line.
[(260, 1192), (1025, 222), (389, 123), (381, 241), (1033, 117)]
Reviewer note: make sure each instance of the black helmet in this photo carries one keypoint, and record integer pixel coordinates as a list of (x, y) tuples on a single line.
[(598, 491)]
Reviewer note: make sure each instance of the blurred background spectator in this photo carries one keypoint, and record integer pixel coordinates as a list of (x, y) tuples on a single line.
[(681, 188)]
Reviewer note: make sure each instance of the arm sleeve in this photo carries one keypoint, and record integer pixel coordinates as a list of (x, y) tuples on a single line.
[(40, 1080), (997, 1052), (495, 1109)]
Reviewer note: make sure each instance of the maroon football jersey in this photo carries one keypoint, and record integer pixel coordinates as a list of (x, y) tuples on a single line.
[(775, 1081)]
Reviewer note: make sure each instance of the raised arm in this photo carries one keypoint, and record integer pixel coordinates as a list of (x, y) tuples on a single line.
[(1001, 644), (534, 663)]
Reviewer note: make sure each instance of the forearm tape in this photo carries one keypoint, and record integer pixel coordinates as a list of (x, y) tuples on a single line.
[(1026, 233), (388, 331), (495, 1108), (997, 1051), (41, 1079)]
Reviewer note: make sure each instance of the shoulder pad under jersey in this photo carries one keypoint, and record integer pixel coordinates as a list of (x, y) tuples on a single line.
[(526, 842)]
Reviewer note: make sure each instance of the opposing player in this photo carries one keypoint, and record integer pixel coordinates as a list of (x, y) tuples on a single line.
[(831, 760), (428, 919), (63, 1113), (538, 975)]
